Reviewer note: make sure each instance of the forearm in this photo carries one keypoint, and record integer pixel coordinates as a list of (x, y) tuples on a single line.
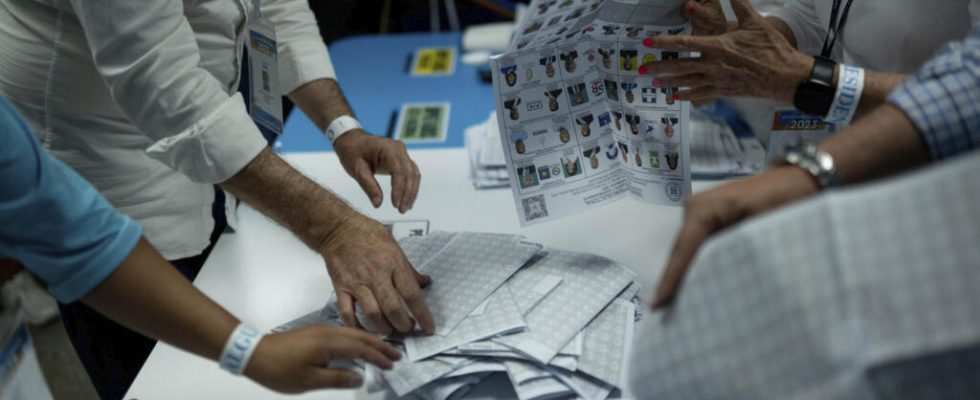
[(149, 296), (883, 143), (877, 87), (322, 101), (279, 191)]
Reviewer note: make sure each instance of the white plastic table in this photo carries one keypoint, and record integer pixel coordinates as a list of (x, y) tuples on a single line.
[(265, 276)]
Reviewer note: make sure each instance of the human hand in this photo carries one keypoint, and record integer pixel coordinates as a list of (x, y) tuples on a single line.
[(368, 268), (364, 155), (753, 59), (714, 210), (707, 17), (296, 361)]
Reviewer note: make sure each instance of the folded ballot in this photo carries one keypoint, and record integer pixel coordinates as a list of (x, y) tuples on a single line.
[(553, 322)]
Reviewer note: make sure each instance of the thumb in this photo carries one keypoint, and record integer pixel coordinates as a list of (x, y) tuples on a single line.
[(743, 11), (365, 178), (323, 378)]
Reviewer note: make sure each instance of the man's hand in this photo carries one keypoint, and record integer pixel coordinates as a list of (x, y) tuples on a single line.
[(753, 59), (364, 155), (368, 268), (296, 361), (711, 211)]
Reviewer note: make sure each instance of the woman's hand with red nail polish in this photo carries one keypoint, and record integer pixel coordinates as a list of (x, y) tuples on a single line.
[(753, 60)]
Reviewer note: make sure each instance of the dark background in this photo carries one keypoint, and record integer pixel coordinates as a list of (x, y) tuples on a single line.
[(341, 18)]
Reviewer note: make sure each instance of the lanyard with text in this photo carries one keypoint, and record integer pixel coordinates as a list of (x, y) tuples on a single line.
[(263, 53), (836, 27)]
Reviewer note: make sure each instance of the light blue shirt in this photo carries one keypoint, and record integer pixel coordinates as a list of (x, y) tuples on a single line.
[(943, 98), (53, 221)]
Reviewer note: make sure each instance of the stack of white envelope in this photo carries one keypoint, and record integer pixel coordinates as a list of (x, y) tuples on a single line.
[(556, 323), (488, 169)]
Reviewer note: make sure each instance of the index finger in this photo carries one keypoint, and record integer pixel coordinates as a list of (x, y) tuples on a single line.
[(686, 245), (416, 179), (410, 181), (684, 43), (408, 287)]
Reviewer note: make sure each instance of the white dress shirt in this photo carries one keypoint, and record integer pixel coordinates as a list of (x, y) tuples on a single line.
[(896, 36), (139, 96)]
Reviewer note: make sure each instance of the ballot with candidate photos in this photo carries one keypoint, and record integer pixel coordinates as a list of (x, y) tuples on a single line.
[(580, 125)]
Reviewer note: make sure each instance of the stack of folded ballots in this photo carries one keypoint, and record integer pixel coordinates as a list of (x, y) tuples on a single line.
[(557, 323), (488, 169)]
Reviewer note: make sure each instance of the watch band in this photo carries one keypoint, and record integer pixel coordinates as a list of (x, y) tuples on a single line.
[(340, 126), (815, 95), (818, 163)]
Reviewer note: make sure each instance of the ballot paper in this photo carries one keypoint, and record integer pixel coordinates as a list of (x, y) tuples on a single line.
[(567, 363), (407, 376), (717, 153), (861, 293), (587, 388), (469, 269), (455, 387), (607, 343), (501, 316), (530, 289), (581, 127), (536, 322), (522, 371), (545, 387), (589, 283), (488, 168), (574, 348), (418, 250)]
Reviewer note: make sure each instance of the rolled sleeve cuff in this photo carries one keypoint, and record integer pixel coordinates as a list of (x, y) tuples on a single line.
[(214, 148), (98, 267), (304, 61), (934, 115)]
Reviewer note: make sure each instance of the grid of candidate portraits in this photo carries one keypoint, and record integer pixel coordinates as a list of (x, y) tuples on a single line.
[(575, 105)]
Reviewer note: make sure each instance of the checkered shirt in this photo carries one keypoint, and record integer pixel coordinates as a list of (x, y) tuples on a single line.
[(943, 98)]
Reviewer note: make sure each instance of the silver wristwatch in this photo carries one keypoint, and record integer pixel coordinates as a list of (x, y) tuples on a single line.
[(816, 162)]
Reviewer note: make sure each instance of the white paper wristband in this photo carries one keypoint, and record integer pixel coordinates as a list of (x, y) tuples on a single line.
[(340, 126), (239, 348), (850, 85)]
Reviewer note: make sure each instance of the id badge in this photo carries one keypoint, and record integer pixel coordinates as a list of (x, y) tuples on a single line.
[(791, 126), (264, 70)]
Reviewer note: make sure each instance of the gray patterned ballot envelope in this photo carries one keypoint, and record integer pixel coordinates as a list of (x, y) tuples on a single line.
[(589, 283), (608, 340), (863, 293), (500, 317), (467, 270), (494, 286)]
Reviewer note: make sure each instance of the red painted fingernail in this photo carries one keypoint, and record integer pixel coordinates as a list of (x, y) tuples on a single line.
[(675, 96), (656, 83), (642, 70), (648, 42)]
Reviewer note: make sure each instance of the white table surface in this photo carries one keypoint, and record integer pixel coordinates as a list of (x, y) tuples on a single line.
[(265, 276)]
